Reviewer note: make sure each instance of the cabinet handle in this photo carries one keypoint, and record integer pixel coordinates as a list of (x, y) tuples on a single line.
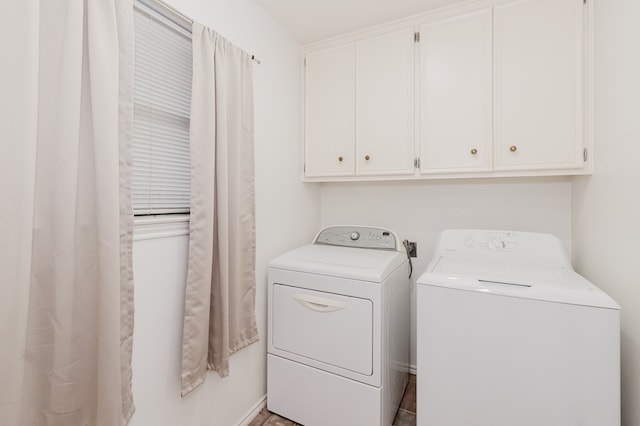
[(366, 157), (513, 148), (474, 151), (340, 159)]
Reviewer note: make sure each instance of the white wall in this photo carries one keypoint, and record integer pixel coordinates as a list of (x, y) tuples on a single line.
[(603, 211), (606, 206), (287, 215), (418, 211)]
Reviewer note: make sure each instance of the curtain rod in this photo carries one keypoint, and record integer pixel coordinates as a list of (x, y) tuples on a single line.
[(182, 17)]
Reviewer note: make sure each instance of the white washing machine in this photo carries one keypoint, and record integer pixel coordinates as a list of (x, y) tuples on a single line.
[(338, 328), (509, 334)]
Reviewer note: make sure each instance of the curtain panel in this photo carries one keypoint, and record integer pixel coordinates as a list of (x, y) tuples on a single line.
[(66, 274), (220, 292)]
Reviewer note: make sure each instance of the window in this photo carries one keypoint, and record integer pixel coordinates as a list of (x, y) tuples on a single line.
[(162, 103)]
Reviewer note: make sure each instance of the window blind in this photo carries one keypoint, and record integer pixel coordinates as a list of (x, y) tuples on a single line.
[(162, 103)]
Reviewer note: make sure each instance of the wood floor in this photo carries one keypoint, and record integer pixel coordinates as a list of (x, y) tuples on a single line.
[(406, 413)]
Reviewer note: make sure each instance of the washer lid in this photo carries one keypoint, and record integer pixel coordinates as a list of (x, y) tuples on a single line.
[(517, 279), (345, 262), (508, 263)]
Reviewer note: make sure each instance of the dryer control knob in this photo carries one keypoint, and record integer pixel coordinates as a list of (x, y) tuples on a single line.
[(355, 236)]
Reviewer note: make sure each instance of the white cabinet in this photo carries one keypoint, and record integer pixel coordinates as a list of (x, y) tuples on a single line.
[(498, 87), (455, 94), (329, 112), (384, 104), (538, 84), (359, 107)]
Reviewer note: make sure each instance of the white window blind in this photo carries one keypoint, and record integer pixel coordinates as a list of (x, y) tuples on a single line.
[(162, 103)]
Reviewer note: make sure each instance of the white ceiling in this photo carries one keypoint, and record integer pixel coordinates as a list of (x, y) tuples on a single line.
[(313, 20)]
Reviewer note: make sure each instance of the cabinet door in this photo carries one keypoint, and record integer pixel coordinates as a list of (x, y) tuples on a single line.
[(330, 112), (384, 104), (538, 84), (455, 93)]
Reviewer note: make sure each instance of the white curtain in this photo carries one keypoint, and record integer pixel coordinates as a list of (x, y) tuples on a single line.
[(66, 296), (220, 294)]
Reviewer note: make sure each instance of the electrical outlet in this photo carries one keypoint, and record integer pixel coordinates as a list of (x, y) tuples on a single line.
[(413, 249)]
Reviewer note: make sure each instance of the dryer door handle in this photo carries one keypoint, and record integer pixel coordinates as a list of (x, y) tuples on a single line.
[(319, 304)]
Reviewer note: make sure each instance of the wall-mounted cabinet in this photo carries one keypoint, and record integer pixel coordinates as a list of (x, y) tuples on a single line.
[(329, 112), (359, 107), (488, 90), (384, 104), (538, 84), (455, 94)]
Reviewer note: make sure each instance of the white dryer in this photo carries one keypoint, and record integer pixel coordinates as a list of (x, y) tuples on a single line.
[(509, 334), (338, 328)]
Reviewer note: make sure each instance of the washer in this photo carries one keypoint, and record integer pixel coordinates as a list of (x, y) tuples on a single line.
[(338, 328), (509, 334)]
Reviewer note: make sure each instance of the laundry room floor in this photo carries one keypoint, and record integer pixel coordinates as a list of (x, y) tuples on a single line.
[(406, 413)]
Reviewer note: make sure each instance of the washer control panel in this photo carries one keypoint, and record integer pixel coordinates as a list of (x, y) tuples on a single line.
[(359, 237), (491, 240)]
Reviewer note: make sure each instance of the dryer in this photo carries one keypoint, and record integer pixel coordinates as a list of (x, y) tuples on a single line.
[(338, 328), (509, 334)]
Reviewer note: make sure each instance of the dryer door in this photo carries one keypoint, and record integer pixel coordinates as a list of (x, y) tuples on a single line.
[(326, 327)]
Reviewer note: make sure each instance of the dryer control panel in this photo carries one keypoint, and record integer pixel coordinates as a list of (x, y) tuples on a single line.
[(359, 237)]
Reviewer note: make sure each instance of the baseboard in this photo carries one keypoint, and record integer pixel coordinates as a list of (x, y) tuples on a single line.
[(413, 369), (253, 412)]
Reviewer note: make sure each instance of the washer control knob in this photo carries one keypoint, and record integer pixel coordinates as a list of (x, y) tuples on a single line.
[(355, 236)]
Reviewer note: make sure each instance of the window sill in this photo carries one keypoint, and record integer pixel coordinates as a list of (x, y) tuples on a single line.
[(161, 226)]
